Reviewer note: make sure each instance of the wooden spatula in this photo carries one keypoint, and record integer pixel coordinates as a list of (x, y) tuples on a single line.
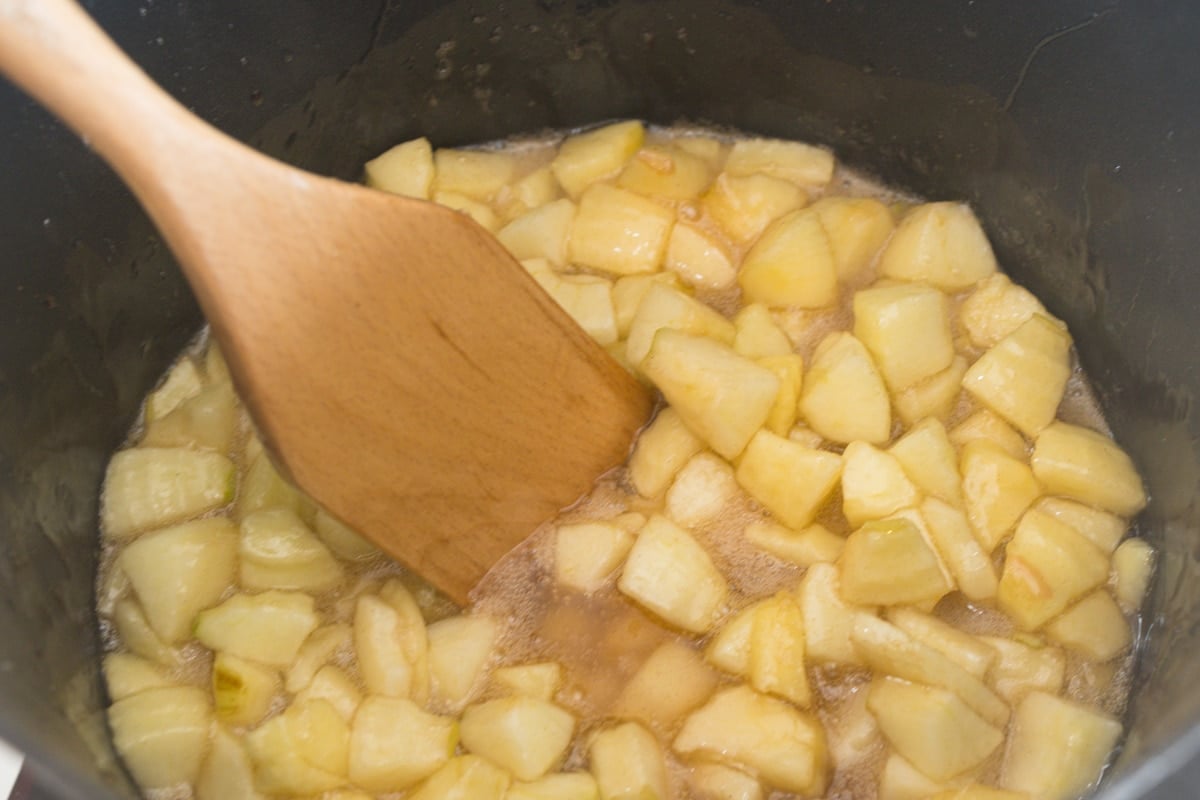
[(402, 368)]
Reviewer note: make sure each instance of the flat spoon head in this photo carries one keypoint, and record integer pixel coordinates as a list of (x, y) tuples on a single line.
[(404, 370)]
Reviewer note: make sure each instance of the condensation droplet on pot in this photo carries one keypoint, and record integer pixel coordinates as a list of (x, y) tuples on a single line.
[(446, 48), (574, 52), (443, 69), (143, 11), (244, 60), (158, 40), (288, 57), (496, 34), (479, 19)]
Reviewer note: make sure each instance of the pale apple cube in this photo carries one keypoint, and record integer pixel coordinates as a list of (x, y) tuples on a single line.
[(888, 561), (703, 489), (460, 649), (969, 652), (183, 381), (263, 487), (162, 734), (466, 777), (853, 733), (136, 634), (874, 484), (806, 436), (206, 421), (900, 780), (665, 307), (997, 489), (828, 619), (227, 773), (791, 265), (890, 651), (540, 680), (179, 571), (630, 290), (1095, 627), (1047, 566), (1022, 668), (757, 334), (783, 746), (743, 207), (524, 735), (619, 232), (335, 687), (276, 550), (666, 172), (268, 627), (700, 259), (932, 728), (792, 481), (406, 169), (844, 397), (661, 450), (790, 370), (628, 762), (318, 649), (720, 782), (540, 233), (978, 791), (968, 563), (929, 460), (671, 682), (857, 228), (394, 744), (729, 648), (480, 212), (152, 487), (588, 300), (388, 661), (776, 662), (1132, 567), (595, 155), (586, 554), (986, 425), (1022, 378), (1101, 528), (1057, 748), (537, 188), (936, 396), (906, 327), (995, 309), (556, 786), (812, 545), (126, 674), (708, 148), (341, 539), (478, 174), (242, 690), (722, 397), (216, 370), (797, 162), (1088, 467), (941, 244), (669, 573)]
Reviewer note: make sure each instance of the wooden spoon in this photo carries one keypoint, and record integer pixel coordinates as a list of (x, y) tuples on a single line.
[(401, 367)]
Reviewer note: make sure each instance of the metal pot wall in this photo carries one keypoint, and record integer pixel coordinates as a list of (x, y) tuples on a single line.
[(1072, 126)]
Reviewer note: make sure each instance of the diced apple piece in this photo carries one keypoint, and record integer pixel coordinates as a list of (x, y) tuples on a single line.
[(666, 172), (776, 658), (1086, 466), (215, 368), (1020, 668), (317, 650), (466, 777), (130, 621), (844, 397), (152, 487), (729, 648), (536, 189), (941, 244), (783, 746), (479, 211), (526, 736), (745, 206), (906, 327), (268, 627), (394, 744), (183, 381), (699, 259), (629, 291), (702, 490), (1101, 528), (263, 487), (126, 674), (791, 480), (791, 264), (1057, 748), (935, 397), (900, 780), (929, 461), (586, 554), (757, 334), (278, 551), (530, 680), (619, 232), (988, 426), (1133, 567), (672, 681), (890, 651), (812, 545), (405, 169), (540, 233), (387, 659), (1047, 566), (304, 750), (1095, 627), (242, 690), (227, 773), (206, 421), (719, 782), (997, 489), (722, 397), (341, 539), (968, 563), (335, 687), (478, 174), (597, 154), (662, 449), (162, 735), (828, 620), (706, 147), (932, 728), (1023, 377), (792, 161), (852, 730), (556, 786), (995, 309), (588, 299), (663, 306), (179, 571), (874, 484), (670, 573), (976, 791), (459, 650), (973, 655), (857, 228), (790, 370), (628, 763), (887, 562)]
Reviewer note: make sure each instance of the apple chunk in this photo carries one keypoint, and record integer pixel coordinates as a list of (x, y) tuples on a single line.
[(844, 397), (1056, 748), (791, 480)]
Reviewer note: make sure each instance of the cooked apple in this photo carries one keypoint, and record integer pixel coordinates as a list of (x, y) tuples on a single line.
[(477, 174), (1021, 668), (940, 244), (540, 233), (792, 161), (586, 554), (1094, 627), (597, 154), (460, 648), (1133, 567), (278, 551), (812, 545), (466, 777), (928, 458), (828, 619), (1057, 748), (997, 489), (619, 232), (268, 627), (935, 397), (672, 681), (627, 761), (874, 484), (702, 491), (666, 172), (700, 259), (844, 397), (162, 734), (661, 450), (395, 745), (791, 480), (1083, 465), (906, 327), (889, 562), (857, 228), (526, 736), (1101, 528), (669, 573), (995, 309), (791, 265), (152, 487), (743, 206)]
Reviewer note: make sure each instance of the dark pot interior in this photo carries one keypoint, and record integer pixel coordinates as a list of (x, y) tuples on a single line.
[(1073, 127)]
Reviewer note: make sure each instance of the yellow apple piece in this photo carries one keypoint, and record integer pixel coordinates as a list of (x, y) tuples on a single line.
[(335, 687), (857, 228), (1133, 567), (263, 487), (526, 736), (967, 562), (661, 451), (152, 487), (227, 773), (797, 162), (345, 542), (844, 397), (900, 780), (721, 782), (813, 545), (394, 744), (1022, 668), (535, 189), (183, 381), (391, 648), (935, 397), (628, 762), (127, 674), (699, 258), (540, 680), (406, 169), (588, 299), (874, 484), (995, 309), (304, 750), (586, 554), (629, 291), (663, 306), (206, 421), (318, 649), (1101, 528), (556, 786), (540, 233), (941, 244), (130, 622), (743, 206), (703, 489), (757, 334), (997, 489), (619, 232), (888, 562), (671, 682), (828, 619), (584, 158), (791, 480), (466, 777), (906, 327), (729, 648), (973, 655), (1095, 627), (162, 734), (277, 550), (791, 265), (242, 690), (775, 663), (460, 648), (478, 174), (929, 460), (268, 627), (1088, 467), (666, 172), (986, 425), (477, 210), (790, 370)]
